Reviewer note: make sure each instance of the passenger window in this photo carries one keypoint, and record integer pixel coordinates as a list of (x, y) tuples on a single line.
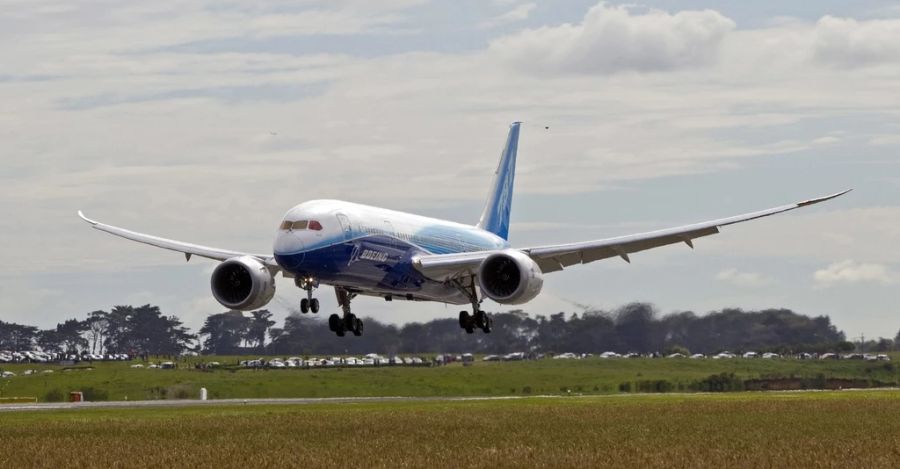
[(314, 225), (300, 225)]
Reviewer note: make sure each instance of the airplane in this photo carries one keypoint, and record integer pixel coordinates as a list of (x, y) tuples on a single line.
[(363, 250)]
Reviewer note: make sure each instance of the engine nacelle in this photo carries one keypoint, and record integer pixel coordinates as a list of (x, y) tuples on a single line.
[(243, 283), (510, 277)]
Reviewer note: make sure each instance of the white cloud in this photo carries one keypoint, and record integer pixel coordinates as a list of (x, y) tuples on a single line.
[(611, 39), (847, 42), (743, 279), (851, 272), (518, 13)]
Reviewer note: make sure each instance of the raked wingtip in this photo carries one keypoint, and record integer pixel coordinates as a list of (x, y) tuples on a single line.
[(81, 215), (822, 199)]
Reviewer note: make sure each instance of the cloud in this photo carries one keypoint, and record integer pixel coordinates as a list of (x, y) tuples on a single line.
[(612, 39), (518, 13), (743, 279), (850, 272), (847, 42)]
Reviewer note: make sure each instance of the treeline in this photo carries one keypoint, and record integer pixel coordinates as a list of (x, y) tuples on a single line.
[(636, 327), (633, 328), (124, 329)]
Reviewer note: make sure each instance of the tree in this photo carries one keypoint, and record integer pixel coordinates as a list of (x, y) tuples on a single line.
[(69, 336), (259, 325), (98, 324), (16, 336), (224, 333)]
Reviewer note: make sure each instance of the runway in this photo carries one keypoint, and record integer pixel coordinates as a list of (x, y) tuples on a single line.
[(360, 400), (240, 402)]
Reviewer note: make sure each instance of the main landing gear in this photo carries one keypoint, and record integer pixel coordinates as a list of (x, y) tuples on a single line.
[(478, 319), (349, 322), (309, 303)]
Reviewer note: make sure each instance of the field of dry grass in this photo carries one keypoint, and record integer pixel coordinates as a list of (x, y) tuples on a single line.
[(818, 429)]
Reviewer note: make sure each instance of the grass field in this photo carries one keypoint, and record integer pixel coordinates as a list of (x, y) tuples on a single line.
[(117, 381), (810, 429)]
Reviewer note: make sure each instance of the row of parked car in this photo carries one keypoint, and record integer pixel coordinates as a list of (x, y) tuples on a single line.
[(297, 362), (30, 356), (729, 355)]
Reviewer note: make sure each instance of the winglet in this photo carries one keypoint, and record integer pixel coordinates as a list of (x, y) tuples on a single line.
[(822, 199), (92, 222)]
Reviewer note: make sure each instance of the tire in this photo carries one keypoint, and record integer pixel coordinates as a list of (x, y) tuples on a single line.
[(488, 324), (357, 327), (480, 319), (304, 305), (470, 330), (314, 305), (334, 323), (463, 319)]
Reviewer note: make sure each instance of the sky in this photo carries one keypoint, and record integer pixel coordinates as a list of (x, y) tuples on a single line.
[(205, 121)]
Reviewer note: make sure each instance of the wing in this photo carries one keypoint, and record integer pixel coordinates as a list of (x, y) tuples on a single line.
[(557, 257), (187, 248)]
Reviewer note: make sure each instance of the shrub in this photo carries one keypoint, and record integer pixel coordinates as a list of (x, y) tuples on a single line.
[(55, 395), (94, 394), (722, 382)]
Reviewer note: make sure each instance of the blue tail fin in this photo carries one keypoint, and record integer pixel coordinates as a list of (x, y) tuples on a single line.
[(495, 217)]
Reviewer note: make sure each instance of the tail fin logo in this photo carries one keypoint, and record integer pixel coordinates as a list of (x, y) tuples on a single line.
[(495, 217)]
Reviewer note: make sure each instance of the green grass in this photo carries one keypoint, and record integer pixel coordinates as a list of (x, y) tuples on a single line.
[(591, 376), (817, 429)]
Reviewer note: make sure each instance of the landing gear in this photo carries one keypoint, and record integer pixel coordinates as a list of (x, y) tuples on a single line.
[(478, 319), (309, 303), (349, 322)]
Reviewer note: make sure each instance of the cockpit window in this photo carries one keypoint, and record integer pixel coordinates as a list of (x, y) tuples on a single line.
[(289, 225)]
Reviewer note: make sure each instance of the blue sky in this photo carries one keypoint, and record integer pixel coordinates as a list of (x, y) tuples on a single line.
[(206, 121)]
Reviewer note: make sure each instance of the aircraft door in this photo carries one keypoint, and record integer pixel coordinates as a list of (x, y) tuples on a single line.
[(345, 225)]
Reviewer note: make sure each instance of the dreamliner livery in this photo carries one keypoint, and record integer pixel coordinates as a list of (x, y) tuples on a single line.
[(363, 250)]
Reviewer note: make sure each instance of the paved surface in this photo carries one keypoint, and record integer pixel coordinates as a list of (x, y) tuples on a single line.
[(352, 400), (229, 402)]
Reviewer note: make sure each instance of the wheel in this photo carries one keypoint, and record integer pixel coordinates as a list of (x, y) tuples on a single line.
[(314, 305), (349, 322), (464, 319), (470, 330), (304, 306), (335, 324), (480, 319), (357, 327), (488, 324), (339, 332)]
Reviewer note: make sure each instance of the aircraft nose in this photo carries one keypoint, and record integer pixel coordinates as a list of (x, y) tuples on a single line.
[(289, 249)]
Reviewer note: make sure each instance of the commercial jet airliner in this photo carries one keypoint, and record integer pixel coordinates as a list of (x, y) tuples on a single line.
[(363, 250)]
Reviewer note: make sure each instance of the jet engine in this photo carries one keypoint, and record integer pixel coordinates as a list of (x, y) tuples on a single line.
[(243, 283), (510, 277)]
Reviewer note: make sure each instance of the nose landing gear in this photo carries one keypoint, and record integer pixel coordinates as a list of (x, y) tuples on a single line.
[(309, 303)]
